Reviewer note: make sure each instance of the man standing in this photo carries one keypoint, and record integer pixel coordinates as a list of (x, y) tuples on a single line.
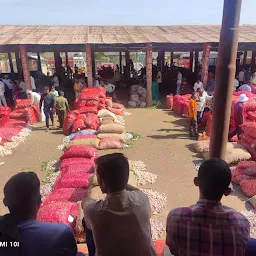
[(246, 87), (76, 70), (241, 77), (239, 116), (48, 101), (33, 84), (8, 90), (35, 97), (179, 80), (248, 74), (62, 107), (2, 97), (236, 84), (198, 85)]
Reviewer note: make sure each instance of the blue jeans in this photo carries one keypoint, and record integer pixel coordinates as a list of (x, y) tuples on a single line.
[(89, 240), (251, 247), (199, 116), (178, 89), (48, 114)]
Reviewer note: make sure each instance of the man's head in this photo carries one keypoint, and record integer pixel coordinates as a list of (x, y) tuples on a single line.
[(61, 93), (193, 95), (198, 80), (112, 172), (46, 89), (53, 89), (214, 177), (199, 91), (22, 195)]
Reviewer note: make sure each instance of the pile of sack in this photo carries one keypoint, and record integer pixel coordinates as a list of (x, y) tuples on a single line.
[(63, 203), (245, 176), (180, 104), (25, 112), (169, 101), (138, 97), (4, 115)]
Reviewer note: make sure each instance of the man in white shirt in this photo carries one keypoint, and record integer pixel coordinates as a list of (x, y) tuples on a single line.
[(33, 84), (119, 224), (246, 87), (56, 83), (179, 80), (203, 97), (236, 84), (35, 97), (198, 85), (2, 97), (241, 76)]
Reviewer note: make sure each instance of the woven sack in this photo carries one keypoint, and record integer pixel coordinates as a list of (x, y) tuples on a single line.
[(119, 136), (86, 142), (111, 128), (105, 113)]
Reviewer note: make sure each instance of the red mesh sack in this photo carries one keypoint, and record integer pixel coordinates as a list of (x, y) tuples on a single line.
[(79, 151), (250, 105), (111, 143), (208, 126), (169, 101), (78, 125), (70, 119), (65, 194), (79, 168), (185, 107), (250, 172), (251, 116), (116, 111), (238, 177), (249, 128), (92, 103), (246, 164), (19, 124), (118, 105), (22, 103), (249, 187), (88, 109), (73, 180), (65, 163), (37, 113), (18, 115), (88, 95), (205, 118), (100, 92), (30, 115), (108, 103), (58, 212), (84, 136), (92, 121), (101, 106), (248, 94)]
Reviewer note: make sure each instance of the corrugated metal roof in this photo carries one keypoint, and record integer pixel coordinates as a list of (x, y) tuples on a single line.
[(44, 35)]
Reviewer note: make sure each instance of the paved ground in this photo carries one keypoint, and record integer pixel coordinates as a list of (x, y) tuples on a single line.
[(164, 146)]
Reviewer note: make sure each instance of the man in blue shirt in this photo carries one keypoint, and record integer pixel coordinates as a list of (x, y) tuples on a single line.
[(24, 235)]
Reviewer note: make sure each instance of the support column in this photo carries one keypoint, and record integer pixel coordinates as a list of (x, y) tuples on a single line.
[(127, 64), (58, 62), (93, 64), (10, 61), (191, 58), (25, 66), (120, 63), (171, 58), (66, 56), (196, 62), (149, 73), (225, 75), (89, 65), (253, 59), (245, 57), (18, 63), (39, 65), (205, 64), (160, 59)]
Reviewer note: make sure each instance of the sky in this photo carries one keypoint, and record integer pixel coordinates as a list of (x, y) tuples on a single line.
[(110, 12)]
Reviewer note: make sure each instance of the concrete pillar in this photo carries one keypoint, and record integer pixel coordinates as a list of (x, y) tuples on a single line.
[(245, 57), (196, 62), (171, 58), (93, 64), (25, 66), (120, 63), (66, 56), (149, 73), (39, 65), (18, 63), (89, 65), (58, 63), (10, 61), (253, 59), (191, 60), (205, 63), (160, 59)]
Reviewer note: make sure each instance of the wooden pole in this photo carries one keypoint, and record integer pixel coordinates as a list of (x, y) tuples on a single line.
[(171, 58), (205, 64), (127, 64), (245, 57), (196, 62), (10, 61), (25, 66), (160, 59), (93, 64), (66, 56), (253, 59), (88, 50), (120, 63), (57, 60), (225, 75), (39, 65), (149, 73), (191, 59), (18, 63)]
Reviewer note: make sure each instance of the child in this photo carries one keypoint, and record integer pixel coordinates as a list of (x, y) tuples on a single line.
[(192, 110), (54, 93), (118, 225)]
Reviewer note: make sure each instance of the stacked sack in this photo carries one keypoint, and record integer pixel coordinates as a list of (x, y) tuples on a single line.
[(245, 176), (138, 96), (169, 101), (63, 203), (181, 103), (25, 112), (111, 132), (4, 115)]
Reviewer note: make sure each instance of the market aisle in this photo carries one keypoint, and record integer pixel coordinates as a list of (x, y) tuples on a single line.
[(39, 147)]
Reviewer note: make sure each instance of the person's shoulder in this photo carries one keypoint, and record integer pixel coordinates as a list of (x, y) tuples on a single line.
[(180, 213), (90, 207), (137, 196), (237, 218), (55, 228)]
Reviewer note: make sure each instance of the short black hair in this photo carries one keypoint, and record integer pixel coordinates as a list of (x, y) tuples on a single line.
[(21, 190), (214, 178), (113, 169), (46, 88)]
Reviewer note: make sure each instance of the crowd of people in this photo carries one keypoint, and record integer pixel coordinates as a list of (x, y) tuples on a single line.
[(120, 224)]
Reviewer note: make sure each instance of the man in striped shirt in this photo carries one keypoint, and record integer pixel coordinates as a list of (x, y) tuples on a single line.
[(208, 228)]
